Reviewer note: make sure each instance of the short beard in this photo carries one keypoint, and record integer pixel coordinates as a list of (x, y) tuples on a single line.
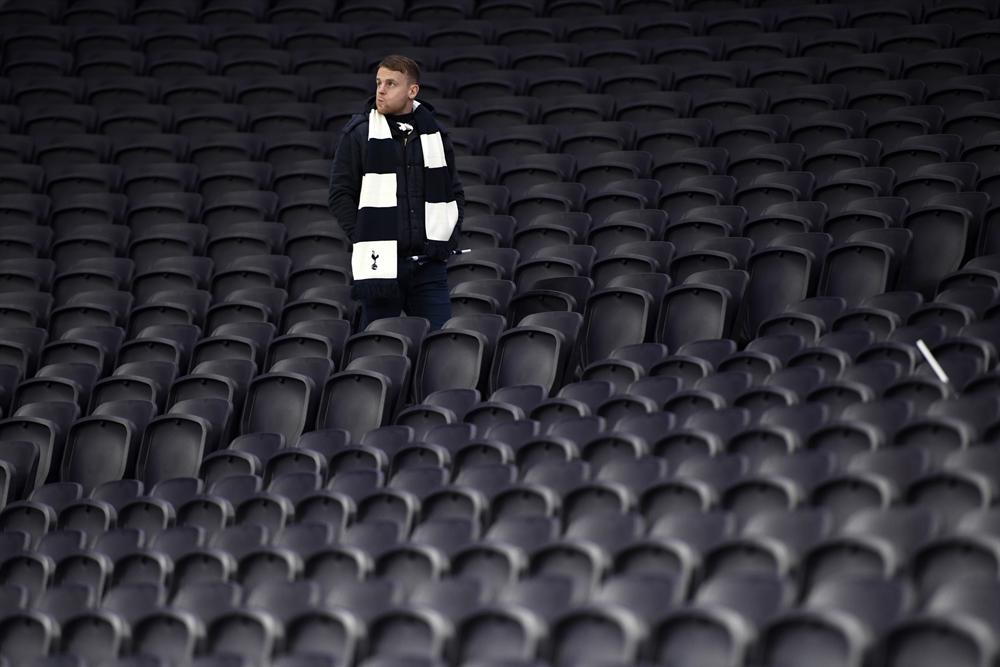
[(393, 111)]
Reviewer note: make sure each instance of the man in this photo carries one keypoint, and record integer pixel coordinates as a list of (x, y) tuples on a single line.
[(396, 193)]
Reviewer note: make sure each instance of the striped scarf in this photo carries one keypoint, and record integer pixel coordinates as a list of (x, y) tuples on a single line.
[(375, 250)]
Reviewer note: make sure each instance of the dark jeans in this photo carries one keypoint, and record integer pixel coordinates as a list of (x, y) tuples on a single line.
[(423, 292)]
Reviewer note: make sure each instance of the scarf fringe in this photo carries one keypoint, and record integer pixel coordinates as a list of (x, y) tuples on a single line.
[(377, 288), (438, 251)]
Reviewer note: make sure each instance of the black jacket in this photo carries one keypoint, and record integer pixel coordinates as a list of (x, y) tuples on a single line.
[(348, 169)]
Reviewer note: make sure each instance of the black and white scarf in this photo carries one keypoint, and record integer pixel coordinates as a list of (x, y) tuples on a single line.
[(375, 250)]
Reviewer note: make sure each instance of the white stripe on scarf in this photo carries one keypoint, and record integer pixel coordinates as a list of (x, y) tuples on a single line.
[(440, 219), (378, 126), (378, 191), (433, 150), (374, 259)]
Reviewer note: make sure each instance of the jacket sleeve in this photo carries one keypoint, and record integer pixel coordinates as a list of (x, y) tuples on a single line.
[(345, 182), (458, 191)]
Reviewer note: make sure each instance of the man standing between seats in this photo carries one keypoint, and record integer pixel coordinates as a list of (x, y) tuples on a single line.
[(396, 193)]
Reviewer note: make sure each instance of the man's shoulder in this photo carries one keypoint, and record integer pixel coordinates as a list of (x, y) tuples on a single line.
[(445, 132), (356, 123), (352, 135)]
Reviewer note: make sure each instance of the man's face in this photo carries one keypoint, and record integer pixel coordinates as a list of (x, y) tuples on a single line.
[(394, 92)]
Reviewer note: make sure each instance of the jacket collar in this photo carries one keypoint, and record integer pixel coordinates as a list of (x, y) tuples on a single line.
[(370, 104)]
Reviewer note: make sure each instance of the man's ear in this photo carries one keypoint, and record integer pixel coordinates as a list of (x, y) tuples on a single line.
[(414, 89)]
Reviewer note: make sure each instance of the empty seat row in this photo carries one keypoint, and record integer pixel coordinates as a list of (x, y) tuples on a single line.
[(783, 71), (706, 85), (573, 16), (574, 568), (633, 88), (290, 622), (723, 302), (294, 395), (823, 515), (821, 40)]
